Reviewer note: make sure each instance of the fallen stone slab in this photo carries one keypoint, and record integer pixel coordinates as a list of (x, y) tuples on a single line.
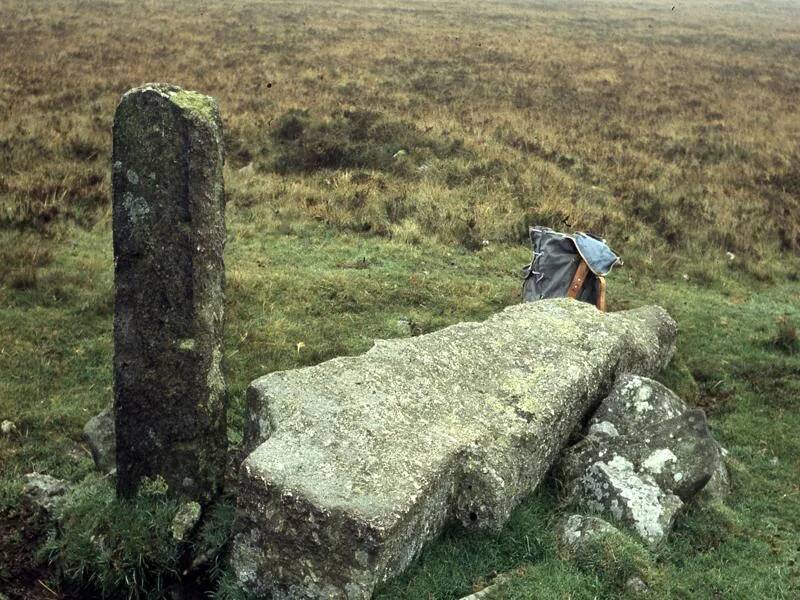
[(645, 454), (360, 460)]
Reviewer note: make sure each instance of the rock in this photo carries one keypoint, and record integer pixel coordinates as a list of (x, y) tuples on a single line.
[(577, 532), (43, 492), (359, 461), (169, 234), (632, 498), (636, 403), (99, 436), (8, 427), (718, 487), (596, 546), (635, 586), (644, 455), (185, 520), (679, 453)]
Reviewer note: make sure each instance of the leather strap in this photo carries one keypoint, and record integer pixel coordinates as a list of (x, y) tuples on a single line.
[(601, 294), (578, 280)]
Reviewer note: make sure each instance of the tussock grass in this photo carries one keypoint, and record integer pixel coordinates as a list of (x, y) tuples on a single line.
[(352, 140), (786, 338), (119, 548)]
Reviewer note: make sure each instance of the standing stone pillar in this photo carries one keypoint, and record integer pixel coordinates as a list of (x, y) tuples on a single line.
[(169, 234)]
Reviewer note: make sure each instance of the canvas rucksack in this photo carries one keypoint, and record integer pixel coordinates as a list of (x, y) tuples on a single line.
[(566, 265)]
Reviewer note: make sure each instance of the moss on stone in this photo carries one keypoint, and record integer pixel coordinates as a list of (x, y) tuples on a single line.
[(195, 103), (615, 557)]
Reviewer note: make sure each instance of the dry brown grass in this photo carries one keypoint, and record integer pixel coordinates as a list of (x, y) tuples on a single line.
[(673, 133)]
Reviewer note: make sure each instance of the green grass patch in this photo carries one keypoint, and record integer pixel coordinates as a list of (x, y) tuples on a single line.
[(614, 557), (116, 547), (302, 294)]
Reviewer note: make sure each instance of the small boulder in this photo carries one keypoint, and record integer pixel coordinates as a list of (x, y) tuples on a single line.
[(99, 435), (644, 454), (596, 546), (8, 427), (576, 531), (185, 520), (631, 497), (680, 453), (718, 487), (43, 492), (636, 403)]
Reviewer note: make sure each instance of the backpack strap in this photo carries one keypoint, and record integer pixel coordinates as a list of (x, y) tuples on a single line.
[(578, 280), (601, 294)]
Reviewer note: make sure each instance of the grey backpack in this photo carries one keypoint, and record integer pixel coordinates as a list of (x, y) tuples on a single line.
[(566, 265)]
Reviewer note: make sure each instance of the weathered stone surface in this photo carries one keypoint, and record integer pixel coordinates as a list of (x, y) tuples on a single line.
[(636, 403), (578, 531), (43, 492), (169, 234), (644, 455), (631, 496), (679, 453), (718, 487), (361, 460), (98, 433), (596, 546), (185, 520)]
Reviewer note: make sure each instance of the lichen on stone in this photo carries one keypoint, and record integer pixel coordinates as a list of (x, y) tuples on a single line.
[(137, 208), (196, 103)]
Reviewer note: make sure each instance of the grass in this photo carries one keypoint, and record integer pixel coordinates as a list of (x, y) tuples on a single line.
[(672, 132), (372, 149), (119, 548), (58, 358)]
